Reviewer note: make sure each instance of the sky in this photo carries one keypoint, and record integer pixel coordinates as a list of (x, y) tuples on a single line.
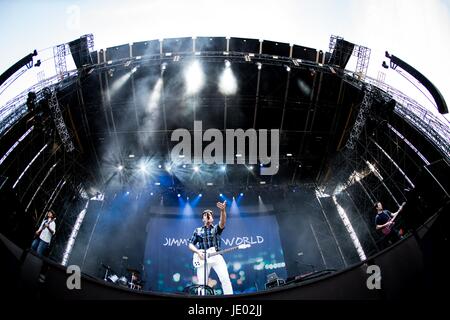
[(416, 31)]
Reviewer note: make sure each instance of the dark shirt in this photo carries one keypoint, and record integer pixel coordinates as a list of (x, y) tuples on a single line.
[(383, 217), (210, 238)]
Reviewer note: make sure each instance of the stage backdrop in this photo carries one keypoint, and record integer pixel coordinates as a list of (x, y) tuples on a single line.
[(168, 261)]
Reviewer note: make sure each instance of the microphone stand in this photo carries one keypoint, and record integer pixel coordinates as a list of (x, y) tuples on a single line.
[(205, 264)]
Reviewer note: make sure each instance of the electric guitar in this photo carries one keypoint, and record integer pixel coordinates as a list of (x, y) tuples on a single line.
[(211, 253), (386, 230), (45, 225)]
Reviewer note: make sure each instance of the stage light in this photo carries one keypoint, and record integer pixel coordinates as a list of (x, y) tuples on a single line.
[(227, 64), (120, 167), (178, 195), (128, 192), (155, 96), (142, 167), (184, 166), (131, 156), (209, 183), (134, 70), (289, 155), (259, 65), (159, 166), (288, 68), (262, 182), (168, 168), (163, 66), (118, 83), (194, 78), (220, 194), (196, 169), (151, 193), (181, 156), (241, 194), (227, 81), (223, 168), (157, 183), (238, 155), (200, 195), (250, 168)]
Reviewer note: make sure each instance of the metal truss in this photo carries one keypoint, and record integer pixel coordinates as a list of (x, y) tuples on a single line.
[(59, 122), (59, 55), (361, 118), (361, 53), (410, 110), (61, 51)]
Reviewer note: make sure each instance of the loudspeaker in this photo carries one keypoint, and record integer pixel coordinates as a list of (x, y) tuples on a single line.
[(341, 53), (80, 52)]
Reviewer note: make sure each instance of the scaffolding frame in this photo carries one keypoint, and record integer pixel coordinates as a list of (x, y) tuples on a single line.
[(361, 53)]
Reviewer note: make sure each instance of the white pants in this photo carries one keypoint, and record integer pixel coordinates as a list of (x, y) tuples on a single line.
[(220, 267)]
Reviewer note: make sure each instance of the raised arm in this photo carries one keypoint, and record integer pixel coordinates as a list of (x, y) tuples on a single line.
[(223, 213), (399, 209)]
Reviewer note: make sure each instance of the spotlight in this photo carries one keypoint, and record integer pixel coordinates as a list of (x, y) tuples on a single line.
[(200, 195), (134, 70), (131, 156), (289, 155), (159, 166), (194, 78), (250, 168), (288, 68), (168, 168), (178, 195), (241, 194), (128, 192), (196, 169), (227, 80), (142, 167), (223, 168), (220, 194), (184, 166), (120, 167), (151, 193), (259, 65), (163, 66)]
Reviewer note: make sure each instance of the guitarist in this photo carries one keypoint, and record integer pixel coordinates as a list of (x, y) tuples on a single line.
[(44, 234), (206, 237), (384, 220)]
